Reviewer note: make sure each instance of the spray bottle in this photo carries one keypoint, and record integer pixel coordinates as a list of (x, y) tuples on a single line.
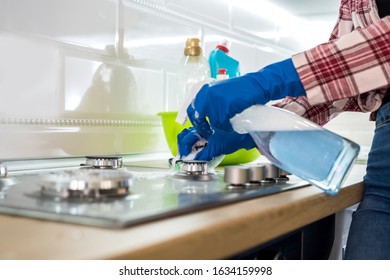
[(298, 145)]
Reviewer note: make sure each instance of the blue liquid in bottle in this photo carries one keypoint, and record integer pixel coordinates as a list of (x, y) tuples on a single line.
[(299, 146), (318, 156)]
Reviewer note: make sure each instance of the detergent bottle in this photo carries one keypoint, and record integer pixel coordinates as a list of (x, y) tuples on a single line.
[(219, 58)]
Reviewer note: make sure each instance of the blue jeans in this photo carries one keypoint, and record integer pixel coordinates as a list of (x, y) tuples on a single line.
[(369, 235)]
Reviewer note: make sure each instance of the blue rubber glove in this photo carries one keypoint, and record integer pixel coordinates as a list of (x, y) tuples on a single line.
[(224, 99), (220, 143)]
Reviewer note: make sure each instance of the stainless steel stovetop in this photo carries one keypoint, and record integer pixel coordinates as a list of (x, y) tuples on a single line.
[(103, 192)]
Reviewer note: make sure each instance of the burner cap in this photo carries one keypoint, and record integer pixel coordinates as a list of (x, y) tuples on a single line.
[(194, 167), (195, 170), (86, 183), (104, 162)]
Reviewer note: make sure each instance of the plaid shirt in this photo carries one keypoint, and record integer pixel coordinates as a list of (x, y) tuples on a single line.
[(351, 72)]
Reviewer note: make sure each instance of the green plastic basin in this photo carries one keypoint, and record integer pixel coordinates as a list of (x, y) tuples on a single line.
[(172, 129)]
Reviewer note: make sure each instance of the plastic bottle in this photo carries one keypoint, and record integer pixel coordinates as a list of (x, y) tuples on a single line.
[(181, 117), (193, 69), (299, 146), (219, 58)]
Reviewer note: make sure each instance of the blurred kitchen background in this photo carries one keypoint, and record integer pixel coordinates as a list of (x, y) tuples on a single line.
[(84, 77)]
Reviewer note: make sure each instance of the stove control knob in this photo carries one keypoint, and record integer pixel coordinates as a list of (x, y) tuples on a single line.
[(195, 166), (271, 171), (283, 173), (236, 175), (256, 173)]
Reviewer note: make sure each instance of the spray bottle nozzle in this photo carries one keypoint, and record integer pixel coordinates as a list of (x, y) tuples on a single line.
[(222, 71)]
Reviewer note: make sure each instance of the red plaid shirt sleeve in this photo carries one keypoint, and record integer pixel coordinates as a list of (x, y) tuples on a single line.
[(351, 72)]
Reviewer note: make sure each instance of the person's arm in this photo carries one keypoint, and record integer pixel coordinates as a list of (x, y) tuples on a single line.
[(319, 114), (354, 64), (345, 68)]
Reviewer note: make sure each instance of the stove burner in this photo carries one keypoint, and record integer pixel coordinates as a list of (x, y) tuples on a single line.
[(195, 167), (104, 162), (194, 170), (86, 183)]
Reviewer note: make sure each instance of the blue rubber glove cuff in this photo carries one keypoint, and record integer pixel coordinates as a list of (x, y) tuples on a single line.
[(223, 100), (279, 80)]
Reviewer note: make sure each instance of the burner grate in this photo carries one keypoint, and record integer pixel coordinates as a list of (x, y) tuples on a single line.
[(86, 183)]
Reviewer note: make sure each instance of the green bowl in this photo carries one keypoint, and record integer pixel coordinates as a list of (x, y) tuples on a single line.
[(172, 129)]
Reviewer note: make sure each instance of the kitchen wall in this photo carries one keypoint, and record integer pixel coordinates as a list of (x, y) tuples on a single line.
[(89, 76)]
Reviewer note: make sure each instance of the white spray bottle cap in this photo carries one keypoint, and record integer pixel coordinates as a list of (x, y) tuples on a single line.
[(224, 45)]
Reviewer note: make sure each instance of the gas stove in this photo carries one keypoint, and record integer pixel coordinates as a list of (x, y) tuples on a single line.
[(104, 191)]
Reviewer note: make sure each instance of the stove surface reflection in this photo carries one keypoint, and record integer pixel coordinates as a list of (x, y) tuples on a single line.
[(153, 193)]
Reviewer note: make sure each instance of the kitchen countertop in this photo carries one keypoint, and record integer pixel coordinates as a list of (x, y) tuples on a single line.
[(215, 233)]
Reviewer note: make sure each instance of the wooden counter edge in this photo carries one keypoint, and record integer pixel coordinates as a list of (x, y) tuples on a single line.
[(244, 232)]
